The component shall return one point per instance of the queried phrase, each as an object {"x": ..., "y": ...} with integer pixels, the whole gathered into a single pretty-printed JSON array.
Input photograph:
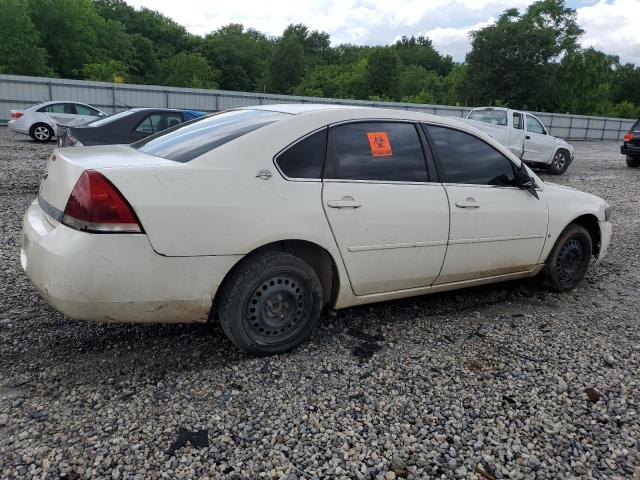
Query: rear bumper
[
  {"x": 629, "y": 150},
  {"x": 605, "y": 238},
  {"x": 18, "y": 127},
  {"x": 116, "y": 277}
]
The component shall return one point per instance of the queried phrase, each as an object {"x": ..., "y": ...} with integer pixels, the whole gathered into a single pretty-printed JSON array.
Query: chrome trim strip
[
  {"x": 376, "y": 182},
  {"x": 50, "y": 210},
  {"x": 389, "y": 246},
  {"x": 464, "y": 241}
]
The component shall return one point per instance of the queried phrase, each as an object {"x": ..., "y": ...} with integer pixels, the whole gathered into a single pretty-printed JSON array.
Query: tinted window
[
  {"x": 533, "y": 125},
  {"x": 517, "y": 120},
  {"x": 187, "y": 141},
  {"x": 157, "y": 122},
  {"x": 305, "y": 159},
  {"x": 495, "y": 117},
  {"x": 378, "y": 151},
  {"x": 467, "y": 159}
]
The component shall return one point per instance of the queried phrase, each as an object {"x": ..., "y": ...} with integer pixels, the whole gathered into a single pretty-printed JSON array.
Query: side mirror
[
  {"x": 102, "y": 114},
  {"x": 525, "y": 182}
]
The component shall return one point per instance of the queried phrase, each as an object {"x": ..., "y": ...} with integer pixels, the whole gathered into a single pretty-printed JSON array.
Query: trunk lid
[{"x": 65, "y": 165}]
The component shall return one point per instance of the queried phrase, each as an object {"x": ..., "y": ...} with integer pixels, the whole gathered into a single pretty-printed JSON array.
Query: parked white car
[
  {"x": 263, "y": 216},
  {"x": 40, "y": 121},
  {"x": 525, "y": 135}
]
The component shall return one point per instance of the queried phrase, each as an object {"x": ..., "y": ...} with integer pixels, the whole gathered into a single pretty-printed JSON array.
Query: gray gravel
[{"x": 491, "y": 382}]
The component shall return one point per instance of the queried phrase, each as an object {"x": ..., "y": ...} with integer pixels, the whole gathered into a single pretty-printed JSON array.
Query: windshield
[
  {"x": 187, "y": 141},
  {"x": 104, "y": 120},
  {"x": 495, "y": 117}
]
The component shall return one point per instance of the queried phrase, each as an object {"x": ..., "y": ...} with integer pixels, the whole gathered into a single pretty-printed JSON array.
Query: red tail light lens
[
  {"x": 96, "y": 205},
  {"x": 15, "y": 115},
  {"x": 628, "y": 137}
]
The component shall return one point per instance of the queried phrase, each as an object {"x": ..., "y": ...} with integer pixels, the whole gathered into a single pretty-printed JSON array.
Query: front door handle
[
  {"x": 467, "y": 203},
  {"x": 527, "y": 137},
  {"x": 345, "y": 202}
]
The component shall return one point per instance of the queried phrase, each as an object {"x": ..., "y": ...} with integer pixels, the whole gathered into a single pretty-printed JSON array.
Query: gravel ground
[{"x": 504, "y": 381}]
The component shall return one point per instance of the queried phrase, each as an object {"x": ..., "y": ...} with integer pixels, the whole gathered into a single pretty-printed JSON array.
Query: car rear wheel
[
  {"x": 559, "y": 164},
  {"x": 41, "y": 132},
  {"x": 569, "y": 259},
  {"x": 632, "y": 161},
  {"x": 270, "y": 303}
]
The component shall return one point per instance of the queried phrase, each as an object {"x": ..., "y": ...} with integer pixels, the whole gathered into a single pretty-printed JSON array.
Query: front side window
[
  {"x": 84, "y": 110},
  {"x": 305, "y": 158},
  {"x": 467, "y": 159},
  {"x": 534, "y": 126},
  {"x": 494, "y": 117},
  {"x": 517, "y": 120},
  {"x": 377, "y": 151},
  {"x": 184, "y": 142}
]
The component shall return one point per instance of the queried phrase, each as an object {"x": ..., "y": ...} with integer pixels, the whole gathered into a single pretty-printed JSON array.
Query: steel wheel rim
[
  {"x": 41, "y": 133},
  {"x": 559, "y": 160},
  {"x": 570, "y": 260},
  {"x": 275, "y": 311}
]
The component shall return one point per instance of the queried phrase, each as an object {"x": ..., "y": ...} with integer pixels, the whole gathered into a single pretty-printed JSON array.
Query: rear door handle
[
  {"x": 468, "y": 203},
  {"x": 345, "y": 202}
]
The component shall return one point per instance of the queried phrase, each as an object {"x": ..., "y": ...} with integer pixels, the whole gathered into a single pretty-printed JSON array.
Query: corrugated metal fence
[{"x": 19, "y": 92}]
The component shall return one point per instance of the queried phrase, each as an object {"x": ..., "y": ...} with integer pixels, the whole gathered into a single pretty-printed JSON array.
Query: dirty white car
[
  {"x": 40, "y": 121},
  {"x": 264, "y": 216},
  {"x": 526, "y": 137}
]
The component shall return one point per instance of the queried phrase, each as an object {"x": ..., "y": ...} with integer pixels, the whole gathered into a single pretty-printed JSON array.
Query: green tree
[
  {"x": 103, "y": 72},
  {"x": 21, "y": 52},
  {"x": 625, "y": 85},
  {"x": 383, "y": 71},
  {"x": 287, "y": 65},
  {"x": 415, "y": 80},
  {"x": 513, "y": 60},
  {"x": 336, "y": 81},
  {"x": 419, "y": 51},
  {"x": 240, "y": 55},
  {"x": 188, "y": 70}
]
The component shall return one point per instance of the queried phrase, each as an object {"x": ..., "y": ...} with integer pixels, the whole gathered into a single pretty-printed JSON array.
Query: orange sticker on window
[{"x": 380, "y": 144}]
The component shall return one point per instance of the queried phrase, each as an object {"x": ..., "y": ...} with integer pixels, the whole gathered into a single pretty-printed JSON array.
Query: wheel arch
[
  {"x": 590, "y": 222},
  {"x": 315, "y": 255}
]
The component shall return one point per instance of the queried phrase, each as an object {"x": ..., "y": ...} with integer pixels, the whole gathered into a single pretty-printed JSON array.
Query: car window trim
[
  {"x": 544, "y": 130},
  {"x": 438, "y": 160},
  {"x": 146, "y": 117},
  {"x": 331, "y": 155},
  {"x": 295, "y": 142}
]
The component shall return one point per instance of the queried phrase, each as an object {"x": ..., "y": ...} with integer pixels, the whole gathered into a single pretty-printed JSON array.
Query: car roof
[{"x": 298, "y": 108}]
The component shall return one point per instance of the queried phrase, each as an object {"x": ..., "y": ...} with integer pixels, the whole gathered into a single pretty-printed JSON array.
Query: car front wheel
[
  {"x": 270, "y": 303},
  {"x": 633, "y": 162},
  {"x": 41, "y": 132},
  {"x": 569, "y": 259},
  {"x": 559, "y": 164}
]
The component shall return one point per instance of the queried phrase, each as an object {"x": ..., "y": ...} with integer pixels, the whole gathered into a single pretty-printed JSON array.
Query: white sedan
[
  {"x": 264, "y": 216},
  {"x": 40, "y": 121}
]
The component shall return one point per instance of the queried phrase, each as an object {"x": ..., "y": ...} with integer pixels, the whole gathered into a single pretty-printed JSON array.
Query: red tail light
[
  {"x": 15, "y": 114},
  {"x": 96, "y": 205},
  {"x": 628, "y": 137}
]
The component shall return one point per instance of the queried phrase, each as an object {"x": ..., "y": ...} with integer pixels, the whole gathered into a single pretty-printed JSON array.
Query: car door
[
  {"x": 389, "y": 221},
  {"x": 496, "y": 228},
  {"x": 538, "y": 146},
  {"x": 62, "y": 113},
  {"x": 85, "y": 114}
]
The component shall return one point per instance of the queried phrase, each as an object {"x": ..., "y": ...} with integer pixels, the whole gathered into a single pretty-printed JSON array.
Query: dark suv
[{"x": 631, "y": 145}]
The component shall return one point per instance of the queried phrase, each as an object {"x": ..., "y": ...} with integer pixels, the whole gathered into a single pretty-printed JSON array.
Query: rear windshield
[
  {"x": 187, "y": 141},
  {"x": 495, "y": 117},
  {"x": 104, "y": 120}
]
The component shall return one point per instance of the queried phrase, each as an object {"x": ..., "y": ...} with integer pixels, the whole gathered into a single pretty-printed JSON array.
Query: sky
[{"x": 608, "y": 24}]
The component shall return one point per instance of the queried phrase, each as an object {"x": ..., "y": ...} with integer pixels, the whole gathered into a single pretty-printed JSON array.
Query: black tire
[
  {"x": 41, "y": 132},
  {"x": 270, "y": 303},
  {"x": 560, "y": 163},
  {"x": 633, "y": 162},
  {"x": 568, "y": 261}
]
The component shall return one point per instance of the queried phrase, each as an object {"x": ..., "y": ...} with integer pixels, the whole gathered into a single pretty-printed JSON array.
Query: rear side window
[
  {"x": 467, "y": 159},
  {"x": 187, "y": 141},
  {"x": 494, "y": 117},
  {"x": 304, "y": 159},
  {"x": 157, "y": 122},
  {"x": 517, "y": 120},
  {"x": 377, "y": 151}
]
